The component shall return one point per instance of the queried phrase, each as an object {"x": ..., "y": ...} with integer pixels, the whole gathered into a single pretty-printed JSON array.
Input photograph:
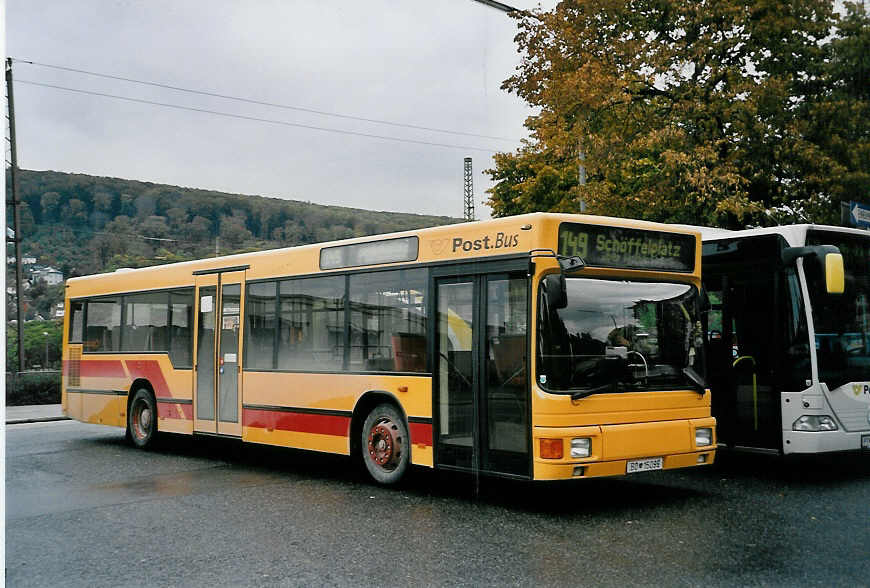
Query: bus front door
[
  {"x": 482, "y": 389},
  {"x": 742, "y": 357},
  {"x": 217, "y": 352}
]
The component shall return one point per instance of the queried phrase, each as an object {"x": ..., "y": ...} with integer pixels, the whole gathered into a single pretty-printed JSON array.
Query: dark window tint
[
  {"x": 146, "y": 322},
  {"x": 311, "y": 324},
  {"x": 261, "y": 325},
  {"x": 388, "y": 321},
  {"x": 842, "y": 322},
  {"x": 103, "y": 329},
  {"x": 76, "y": 321},
  {"x": 181, "y": 328}
]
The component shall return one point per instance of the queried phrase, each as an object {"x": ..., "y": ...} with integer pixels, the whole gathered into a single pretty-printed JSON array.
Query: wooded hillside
[{"x": 84, "y": 224}]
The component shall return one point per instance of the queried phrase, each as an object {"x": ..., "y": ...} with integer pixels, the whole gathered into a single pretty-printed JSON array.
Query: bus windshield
[
  {"x": 842, "y": 322},
  {"x": 618, "y": 336}
]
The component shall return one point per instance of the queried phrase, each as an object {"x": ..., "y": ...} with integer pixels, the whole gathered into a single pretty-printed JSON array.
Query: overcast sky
[{"x": 434, "y": 64}]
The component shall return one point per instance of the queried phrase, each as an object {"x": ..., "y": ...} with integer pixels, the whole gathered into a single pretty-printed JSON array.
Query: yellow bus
[{"x": 541, "y": 346}]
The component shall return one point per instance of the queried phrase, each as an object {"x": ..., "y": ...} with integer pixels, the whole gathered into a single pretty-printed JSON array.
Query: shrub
[{"x": 32, "y": 388}]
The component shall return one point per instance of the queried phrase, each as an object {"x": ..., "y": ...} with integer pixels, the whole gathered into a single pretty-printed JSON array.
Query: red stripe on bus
[
  {"x": 149, "y": 369},
  {"x": 421, "y": 433},
  {"x": 172, "y": 410},
  {"x": 323, "y": 424},
  {"x": 102, "y": 368},
  {"x": 166, "y": 410}
]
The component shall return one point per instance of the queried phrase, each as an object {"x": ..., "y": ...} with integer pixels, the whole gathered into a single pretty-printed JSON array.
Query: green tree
[
  {"x": 49, "y": 206},
  {"x": 42, "y": 339},
  {"x": 684, "y": 111}
]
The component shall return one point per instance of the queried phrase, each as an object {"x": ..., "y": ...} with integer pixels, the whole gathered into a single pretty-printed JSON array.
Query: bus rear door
[{"x": 217, "y": 396}]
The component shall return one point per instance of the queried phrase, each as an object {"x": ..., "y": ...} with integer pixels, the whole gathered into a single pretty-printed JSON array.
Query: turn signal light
[{"x": 551, "y": 448}]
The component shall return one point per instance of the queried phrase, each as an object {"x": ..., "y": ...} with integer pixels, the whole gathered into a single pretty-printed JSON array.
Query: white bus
[{"x": 789, "y": 337}]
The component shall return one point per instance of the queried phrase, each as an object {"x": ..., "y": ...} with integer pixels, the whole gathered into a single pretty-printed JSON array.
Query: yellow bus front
[{"x": 618, "y": 354}]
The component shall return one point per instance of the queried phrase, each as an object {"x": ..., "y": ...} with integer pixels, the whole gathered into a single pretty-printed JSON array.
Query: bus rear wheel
[
  {"x": 142, "y": 419},
  {"x": 385, "y": 446}
]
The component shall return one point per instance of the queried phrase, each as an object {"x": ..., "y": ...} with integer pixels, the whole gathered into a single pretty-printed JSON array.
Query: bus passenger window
[
  {"x": 146, "y": 322},
  {"x": 76, "y": 321},
  {"x": 262, "y": 300},
  {"x": 311, "y": 324},
  {"x": 388, "y": 321},
  {"x": 181, "y": 328},
  {"x": 103, "y": 329}
]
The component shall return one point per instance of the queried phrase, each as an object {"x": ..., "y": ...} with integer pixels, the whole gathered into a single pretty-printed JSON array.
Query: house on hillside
[{"x": 49, "y": 275}]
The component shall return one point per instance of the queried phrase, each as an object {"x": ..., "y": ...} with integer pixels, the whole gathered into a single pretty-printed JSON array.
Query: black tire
[
  {"x": 385, "y": 446},
  {"x": 142, "y": 419}
]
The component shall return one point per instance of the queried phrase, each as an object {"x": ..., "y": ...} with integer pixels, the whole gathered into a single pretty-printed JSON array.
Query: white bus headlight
[
  {"x": 581, "y": 446},
  {"x": 704, "y": 436},
  {"x": 810, "y": 422}
]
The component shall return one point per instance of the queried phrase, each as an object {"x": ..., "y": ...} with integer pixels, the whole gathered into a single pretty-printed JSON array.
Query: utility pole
[
  {"x": 469, "y": 192},
  {"x": 16, "y": 215},
  {"x": 581, "y": 173}
]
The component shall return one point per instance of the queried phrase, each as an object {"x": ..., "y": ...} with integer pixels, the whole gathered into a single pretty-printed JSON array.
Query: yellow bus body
[{"x": 96, "y": 387}]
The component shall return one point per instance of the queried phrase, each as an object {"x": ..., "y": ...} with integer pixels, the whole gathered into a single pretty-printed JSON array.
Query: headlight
[
  {"x": 704, "y": 436},
  {"x": 810, "y": 422},
  {"x": 580, "y": 447}
]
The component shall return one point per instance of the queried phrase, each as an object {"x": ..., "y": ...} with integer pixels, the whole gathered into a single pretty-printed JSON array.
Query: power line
[
  {"x": 264, "y": 103},
  {"x": 255, "y": 118}
]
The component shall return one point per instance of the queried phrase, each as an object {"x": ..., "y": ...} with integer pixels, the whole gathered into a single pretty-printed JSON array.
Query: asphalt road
[{"x": 86, "y": 509}]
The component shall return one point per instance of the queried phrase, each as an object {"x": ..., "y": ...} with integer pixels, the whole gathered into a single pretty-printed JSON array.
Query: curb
[{"x": 36, "y": 420}]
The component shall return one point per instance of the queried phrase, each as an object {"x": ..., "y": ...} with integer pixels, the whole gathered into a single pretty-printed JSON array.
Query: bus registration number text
[{"x": 644, "y": 465}]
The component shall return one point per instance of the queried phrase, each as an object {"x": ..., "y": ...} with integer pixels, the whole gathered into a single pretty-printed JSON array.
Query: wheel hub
[
  {"x": 141, "y": 419},
  {"x": 383, "y": 445},
  {"x": 145, "y": 418}
]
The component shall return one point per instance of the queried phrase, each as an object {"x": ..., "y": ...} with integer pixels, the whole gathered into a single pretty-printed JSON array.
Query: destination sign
[
  {"x": 371, "y": 253},
  {"x": 628, "y": 248}
]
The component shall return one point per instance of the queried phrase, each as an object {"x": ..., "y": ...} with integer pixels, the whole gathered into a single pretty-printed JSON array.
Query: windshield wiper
[
  {"x": 697, "y": 379},
  {"x": 594, "y": 390}
]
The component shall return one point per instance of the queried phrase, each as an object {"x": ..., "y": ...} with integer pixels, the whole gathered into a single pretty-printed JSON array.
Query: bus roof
[
  {"x": 795, "y": 235},
  {"x": 472, "y": 240}
]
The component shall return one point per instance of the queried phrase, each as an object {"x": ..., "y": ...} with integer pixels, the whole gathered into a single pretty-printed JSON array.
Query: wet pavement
[{"x": 86, "y": 509}]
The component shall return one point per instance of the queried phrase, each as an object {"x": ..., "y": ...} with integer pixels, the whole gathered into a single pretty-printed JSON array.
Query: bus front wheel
[
  {"x": 142, "y": 419},
  {"x": 385, "y": 444}
]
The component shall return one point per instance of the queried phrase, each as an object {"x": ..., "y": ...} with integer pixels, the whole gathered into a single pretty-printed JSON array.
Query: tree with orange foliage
[{"x": 708, "y": 112}]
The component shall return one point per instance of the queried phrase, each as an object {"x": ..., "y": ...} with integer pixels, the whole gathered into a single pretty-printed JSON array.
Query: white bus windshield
[{"x": 842, "y": 322}]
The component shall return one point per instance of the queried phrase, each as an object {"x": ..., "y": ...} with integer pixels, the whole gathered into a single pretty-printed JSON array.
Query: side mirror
[
  {"x": 835, "y": 274},
  {"x": 828, "y": 261},
  {"x": 556, "y": 290}
]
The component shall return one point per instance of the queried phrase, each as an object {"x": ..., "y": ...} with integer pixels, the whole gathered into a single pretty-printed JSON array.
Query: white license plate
[
  {"x": 644, "y": 465},
  {"x": 865, "y": 441}
]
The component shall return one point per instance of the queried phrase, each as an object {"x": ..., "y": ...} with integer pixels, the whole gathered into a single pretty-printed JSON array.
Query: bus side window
[
  {"x": 76, "y": 321},
  {"x": 181, "y": 328},
  {"x": 103, "y": 328},
  {"x": 388, "y": 321}
]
